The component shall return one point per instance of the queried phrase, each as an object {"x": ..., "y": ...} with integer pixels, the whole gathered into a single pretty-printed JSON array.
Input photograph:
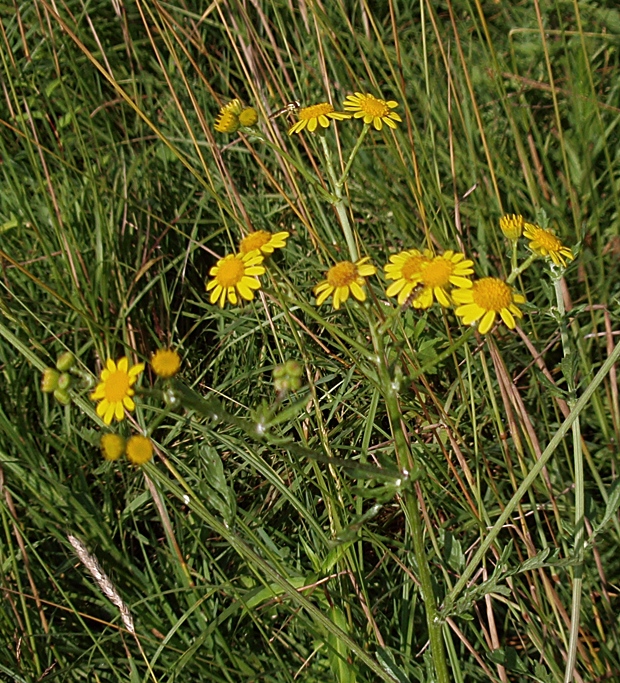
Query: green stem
[
  {"x": 579, "y": 496},
  {"x": 406, "y": 463},
  {"x": 524, "y": 266},
  {"x": 339, "y": 204},
  {"x": 353, "y": 154}
]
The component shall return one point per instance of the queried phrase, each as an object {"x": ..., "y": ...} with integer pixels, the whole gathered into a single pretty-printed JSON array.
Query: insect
[
  {"x": 286, "y": 109},
  {"x": 413, "y": 295}
]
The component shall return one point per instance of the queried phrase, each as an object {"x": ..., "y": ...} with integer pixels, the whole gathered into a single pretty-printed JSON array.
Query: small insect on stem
[{"x": 288, "y": 108}]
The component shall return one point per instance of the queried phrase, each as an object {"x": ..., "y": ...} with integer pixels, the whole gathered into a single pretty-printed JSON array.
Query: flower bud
[
  {"x": 64, "y": 381},
  {"x": 512, "y": 226},
  {"x": 62, "y": 396},
  {"x": 112, "y": 446},
  {"x": 49, "y": 380},
  {"x": 65, "y": 361},
  {"x": 248, "y": 117}
]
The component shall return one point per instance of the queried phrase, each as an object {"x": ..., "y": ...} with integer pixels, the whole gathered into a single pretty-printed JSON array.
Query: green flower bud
[
  {"x": 65, "y": 361},
  {"x": 63, "y": 397},
  {"x": 49, "y": 380},
  {"x": 64, "y": 381}
]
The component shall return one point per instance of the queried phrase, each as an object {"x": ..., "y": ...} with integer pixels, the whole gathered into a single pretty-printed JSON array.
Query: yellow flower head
[
  {"x": 139, "y": 449},
  {"x": 439, "y": 274},
  {"x": 114, "y": 391},
  {"x": 485, "y": 299},
  {"x": 228, "y": 119},
  {"x": 545, "y": 243},
  {"x": 235, "y": 276},
  {"x": 263, "y": 241},
  {"x": 406, "y": 269},
  {"x": 372, "y": 110},
  {"x": 248, "y": 117},
  {"x": 165, "y": 363},
  {"x": 511, "y": 226},
  {"x": 311, "y": 117},
  {"x": 112, "y": 446},
  {"x": 343, "y": 279}
]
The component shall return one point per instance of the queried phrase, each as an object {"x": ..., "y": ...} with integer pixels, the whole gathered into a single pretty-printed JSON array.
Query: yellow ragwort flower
[
  {"x": 139, "y": 449},
  {"x": 112, "y": 446},
  {"x": 343, "y": 279},
  {"x": 372, "y": 110},
  {"x": 439, "y": 274},
  {"x": 512, "y": 226},
  {"x": 317, "y": 114},
  {"x": 228, "y": 119},
  {"x": 263, "y": 241},
  {"x": 114, "y": 391},
  {"x": 545, "y": 243},
  {"x": 485, "y": 299},
  {"x": 235, "y": 276},
  {"x": 405, "y": 268},
  {"x": 165, "y": 363}
]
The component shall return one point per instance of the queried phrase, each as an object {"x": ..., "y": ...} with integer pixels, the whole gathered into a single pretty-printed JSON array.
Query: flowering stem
[
  {"x": 339, "y": 202},
  {"x": 579, "y": 494},
  {"x": 406, "y": 464},
  {"x": 524, "y": 266}
]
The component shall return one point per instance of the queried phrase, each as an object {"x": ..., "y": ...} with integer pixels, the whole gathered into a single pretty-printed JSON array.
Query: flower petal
[{"x": 487, "y": 322}]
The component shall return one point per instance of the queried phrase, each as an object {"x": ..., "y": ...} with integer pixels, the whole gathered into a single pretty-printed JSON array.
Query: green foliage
[{"x": 273, "y": 536}]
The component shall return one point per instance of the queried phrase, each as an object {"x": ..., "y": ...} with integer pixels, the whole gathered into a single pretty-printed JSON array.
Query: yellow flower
[
  {"x": 228, "y": 119},
  {"x": 248, "y": 117},
  {"x": 311, "y": 117},
  {"x": 165, "y": 363},
  {"x": 545, "y": 243},
  {"x": 372, "y": 110},
  {"x": 112, "y": 446},
  {"x": 440, "y": 274},
  {"x": 139, "y": 449},
  {"x": 114, "y": 391},
  {"x": 235, "y": 275},
  {"x": 485, "y": 299},
  {"x": 511, "y": 226},
  {"x": 263, "y": 241},
  {"x": 406, "y": 269},
  {"x": 344, "y": 278}
]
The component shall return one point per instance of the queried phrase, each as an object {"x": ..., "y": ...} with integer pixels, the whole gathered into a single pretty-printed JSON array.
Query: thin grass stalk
[{"x": 561, "y": 432}]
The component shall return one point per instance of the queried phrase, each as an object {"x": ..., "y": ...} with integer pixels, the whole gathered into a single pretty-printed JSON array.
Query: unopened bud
[
  {"x": 65, "y": 361},
  {"x": 49, "y": 380},
  {"x": 62, "y": 396},
  {"x": 64, "y": 381}
]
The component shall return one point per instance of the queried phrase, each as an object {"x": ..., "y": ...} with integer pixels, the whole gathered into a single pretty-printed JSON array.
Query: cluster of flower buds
[
  {"x": 287, "y": 377},
  {"x": 57, "y": 380}
]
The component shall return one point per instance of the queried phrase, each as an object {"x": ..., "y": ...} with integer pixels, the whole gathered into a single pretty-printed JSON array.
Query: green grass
[{"x": 300, "y": 553}]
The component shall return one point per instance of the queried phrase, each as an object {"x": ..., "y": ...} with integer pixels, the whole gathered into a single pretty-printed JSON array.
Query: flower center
[
  {"x": 437, "y": 273},
  {"x": 377, "y": 108},
  {"x": 315, "y": 111},
  {"x": 548, "y": 241},
  {"x": 117, "y": 386},
  {"x": 342, "y": 274},
  {"x": 230, "y": 272},
  {"x": 255, "y": 240},
  {"x": 492, "y": 294},
  {"x": 412, "y": 267}
]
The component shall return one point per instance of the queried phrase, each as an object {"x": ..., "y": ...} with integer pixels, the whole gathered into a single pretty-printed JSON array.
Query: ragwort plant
[{"x": 271, "y": 527}]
